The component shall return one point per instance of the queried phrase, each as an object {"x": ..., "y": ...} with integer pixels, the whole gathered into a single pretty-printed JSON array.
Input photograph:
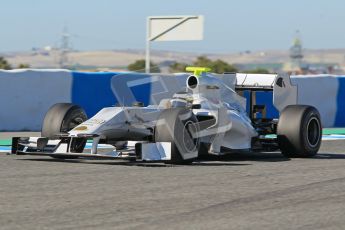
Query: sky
[{"x": 230, "y": 26}]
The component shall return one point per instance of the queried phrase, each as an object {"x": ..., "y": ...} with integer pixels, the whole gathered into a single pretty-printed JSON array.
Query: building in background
[{"x": 295, "y": 64}]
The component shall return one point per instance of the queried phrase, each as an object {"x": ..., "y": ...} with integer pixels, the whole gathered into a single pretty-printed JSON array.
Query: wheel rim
[
  {"x": 71, "y": 124},
  {"x": 75, "y": 122},
  {"x": 313, "y": 132}
]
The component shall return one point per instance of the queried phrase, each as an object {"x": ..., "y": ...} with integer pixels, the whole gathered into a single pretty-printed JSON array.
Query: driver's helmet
[{"x": 181, "y": 99}]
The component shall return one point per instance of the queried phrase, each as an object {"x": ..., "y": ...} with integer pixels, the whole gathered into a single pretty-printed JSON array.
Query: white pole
[{"x": 147, "y": 59}]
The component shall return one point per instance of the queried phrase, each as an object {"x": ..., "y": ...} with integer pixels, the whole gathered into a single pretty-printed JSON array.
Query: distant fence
[{"x": 26, "y": 95}]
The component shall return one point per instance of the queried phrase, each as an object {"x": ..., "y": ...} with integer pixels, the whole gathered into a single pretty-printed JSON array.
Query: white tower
[
  {"x": 296, "y": 51},
  {"x": 64, "y": 49}
]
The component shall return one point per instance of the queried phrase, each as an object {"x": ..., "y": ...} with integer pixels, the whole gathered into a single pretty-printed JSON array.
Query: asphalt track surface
[{"x": 243, "y": 191}]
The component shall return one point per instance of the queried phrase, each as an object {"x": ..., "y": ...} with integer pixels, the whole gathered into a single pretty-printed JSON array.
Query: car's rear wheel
[
  {"x": 299, "y": 131},
  {"x": 177, "y": 125}
]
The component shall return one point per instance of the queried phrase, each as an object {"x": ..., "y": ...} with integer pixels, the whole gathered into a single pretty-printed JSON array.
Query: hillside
[{"x": 119, "y": 59}]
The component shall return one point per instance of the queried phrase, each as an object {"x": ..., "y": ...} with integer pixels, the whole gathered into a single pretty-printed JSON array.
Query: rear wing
[
  {"x": 255, "y": 82},
  {"x": 283, "y": 92}
]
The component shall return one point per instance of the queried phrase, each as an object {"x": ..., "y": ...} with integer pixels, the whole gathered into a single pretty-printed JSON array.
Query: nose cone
[{"x": 100, "y": 121}]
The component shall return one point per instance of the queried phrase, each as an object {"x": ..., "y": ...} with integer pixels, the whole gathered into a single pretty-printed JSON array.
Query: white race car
[{"x": 208, "y": 117}]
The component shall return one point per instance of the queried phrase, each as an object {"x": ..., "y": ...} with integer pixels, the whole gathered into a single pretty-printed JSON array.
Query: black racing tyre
[
  {"x": 299, "y": 131},
  {"x": 61, "y": 118},
  {"x": 176, "y": 125},
  {"x": 204, "y": 149}
]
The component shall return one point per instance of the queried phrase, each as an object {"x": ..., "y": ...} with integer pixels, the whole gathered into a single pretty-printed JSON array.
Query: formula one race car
[{"x": 208, "y": 117}]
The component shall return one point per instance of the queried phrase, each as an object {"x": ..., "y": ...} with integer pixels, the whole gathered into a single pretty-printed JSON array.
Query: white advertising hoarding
[
  {"x": 172, "y": 28},
  {"x": 175, "y": 28}
]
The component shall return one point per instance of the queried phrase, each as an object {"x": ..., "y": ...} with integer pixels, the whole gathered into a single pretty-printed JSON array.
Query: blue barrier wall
[
  {"x": 26, "y": 95},
  {"x": 92, "y": 91},
  {"x": 264, "y": 98},
  {"x": 326, "y": 93},
  {"x": 340, "y": 115}
]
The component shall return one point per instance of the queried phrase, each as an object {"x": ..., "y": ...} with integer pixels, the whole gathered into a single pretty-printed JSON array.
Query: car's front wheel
[
  {"x": 61, "y": 118},
  {"x": 178, "y": 126}
]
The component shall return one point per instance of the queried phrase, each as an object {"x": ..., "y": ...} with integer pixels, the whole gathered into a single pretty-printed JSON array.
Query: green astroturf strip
[
  {"x": 5, "y": 142},
  {"x": 333, "y": 131},
  {"x": 337, "y": 131}
]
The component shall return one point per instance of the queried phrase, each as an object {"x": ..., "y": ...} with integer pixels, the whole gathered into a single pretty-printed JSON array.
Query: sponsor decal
[
  {"x": 94, "y": 122},
  {"x": 80, "y": 128}
]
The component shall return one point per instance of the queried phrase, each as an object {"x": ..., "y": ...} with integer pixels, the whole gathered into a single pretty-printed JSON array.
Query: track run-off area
[{"x": 237, "y": 191}]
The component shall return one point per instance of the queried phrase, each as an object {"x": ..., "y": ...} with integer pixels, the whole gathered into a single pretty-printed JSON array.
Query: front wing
[{"x": 61, "y": 148}]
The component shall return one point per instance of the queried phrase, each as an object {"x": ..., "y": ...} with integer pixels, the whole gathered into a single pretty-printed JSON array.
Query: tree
[
  {"x": 139, "y": 66},
  {"x": 258, "y": 70},
  {"x": 203, "y": 61},
  {"x": 217, "y": 66},
  {"x": 4, "y": 64},
  {"x": 220, "y": 66},
  {"x": 23, "y": 66},
  {"x": 177, "y": 67}
]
